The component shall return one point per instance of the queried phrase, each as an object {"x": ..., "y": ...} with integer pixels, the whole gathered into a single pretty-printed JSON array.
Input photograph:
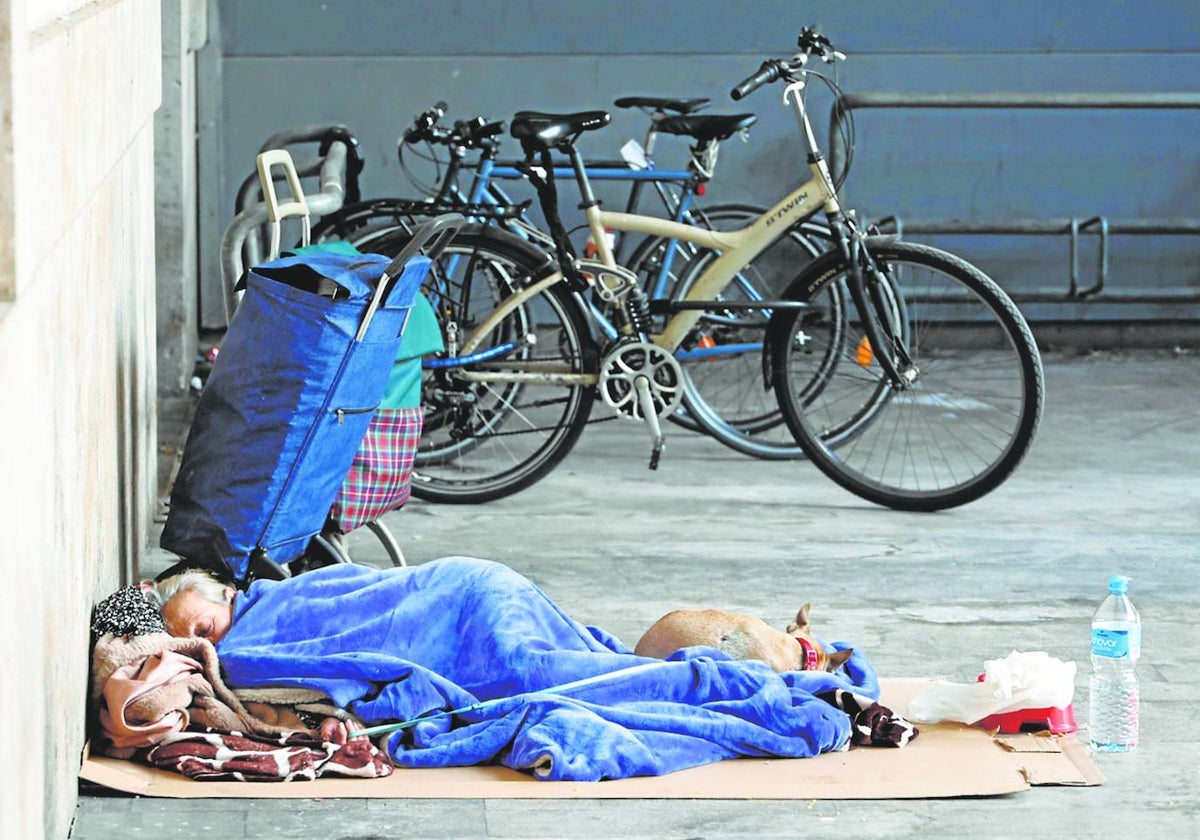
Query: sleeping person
[{"x": 477, "y": 638}]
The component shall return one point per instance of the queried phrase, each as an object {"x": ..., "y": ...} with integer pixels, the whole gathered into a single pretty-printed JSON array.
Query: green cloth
[{"x": 422, "y": 336}]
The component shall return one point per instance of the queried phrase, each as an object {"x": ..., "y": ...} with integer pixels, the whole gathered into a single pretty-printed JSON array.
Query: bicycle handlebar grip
[
  {"x": 491, "y": 129},
  {"x": 472, "y": 133},
  {"x": 424, "y": 123},
  {"x": 354, "y": 158},
  {"x": 767, "y": 72}
]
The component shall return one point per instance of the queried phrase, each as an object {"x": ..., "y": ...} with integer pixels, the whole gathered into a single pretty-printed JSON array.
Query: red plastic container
[{"x": 1054, "y": 720}]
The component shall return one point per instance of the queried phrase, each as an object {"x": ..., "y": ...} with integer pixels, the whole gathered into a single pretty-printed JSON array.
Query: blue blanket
[{"x": 396, "y": 644}]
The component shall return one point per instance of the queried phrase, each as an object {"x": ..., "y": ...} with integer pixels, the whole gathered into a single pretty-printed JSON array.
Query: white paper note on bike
[{"x": 633, "y": 154}]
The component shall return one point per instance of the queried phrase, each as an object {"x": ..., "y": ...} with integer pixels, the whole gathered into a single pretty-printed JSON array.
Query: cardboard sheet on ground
[{"x": 947, "y": 760}]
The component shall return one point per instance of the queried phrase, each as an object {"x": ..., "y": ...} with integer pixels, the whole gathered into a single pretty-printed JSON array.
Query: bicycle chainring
[{"x": 630, "y": 360}]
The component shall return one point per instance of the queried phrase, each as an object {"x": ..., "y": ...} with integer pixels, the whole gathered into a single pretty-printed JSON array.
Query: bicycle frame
[
  {"x": 485, "y": 191},
  {"x": 738, "y": 247}
]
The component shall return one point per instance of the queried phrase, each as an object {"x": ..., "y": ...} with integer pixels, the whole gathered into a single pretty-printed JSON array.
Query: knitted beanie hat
[{"x": 127, "y": 612}]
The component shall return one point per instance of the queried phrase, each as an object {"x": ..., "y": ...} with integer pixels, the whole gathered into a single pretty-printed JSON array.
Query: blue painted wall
[{"x": 374, "y": 64}]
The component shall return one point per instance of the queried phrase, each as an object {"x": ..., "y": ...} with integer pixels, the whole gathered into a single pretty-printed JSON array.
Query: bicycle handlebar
[
  {"x": 422, "y": 128},
  {"x": 474, "y": 133},
  {"x": 466, "y": 134},
  {"x": 769, "y": 71},
  {"x": 325, "y": 136},
  {"x": 811, "y": 42}
]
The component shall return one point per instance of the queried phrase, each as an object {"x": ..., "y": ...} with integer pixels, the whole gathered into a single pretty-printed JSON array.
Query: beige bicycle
[{"x": 903, "y": 372}]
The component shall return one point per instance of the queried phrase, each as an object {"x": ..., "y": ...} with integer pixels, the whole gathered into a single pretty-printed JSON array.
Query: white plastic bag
[{"x": 1030, "y": 680}]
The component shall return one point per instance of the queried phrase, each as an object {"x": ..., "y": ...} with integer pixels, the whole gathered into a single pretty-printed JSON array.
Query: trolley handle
[{"x": 430, "y": 238}]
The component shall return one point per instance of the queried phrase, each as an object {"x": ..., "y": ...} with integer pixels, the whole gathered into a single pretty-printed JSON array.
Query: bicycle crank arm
[{"x": 650, "y": 413}]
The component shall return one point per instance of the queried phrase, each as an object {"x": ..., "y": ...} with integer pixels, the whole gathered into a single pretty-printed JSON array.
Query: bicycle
[
  {"x": 736, "y": 412},
  {"x": 921, "y": 390}
]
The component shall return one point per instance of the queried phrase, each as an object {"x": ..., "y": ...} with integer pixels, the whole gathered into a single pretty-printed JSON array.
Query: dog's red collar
[{"x": 810, "y": 654}]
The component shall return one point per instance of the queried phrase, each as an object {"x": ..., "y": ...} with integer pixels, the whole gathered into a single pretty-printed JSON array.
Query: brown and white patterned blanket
[
  {"x": 161, "y": 700},
  {"x": 210, "y": 756}
]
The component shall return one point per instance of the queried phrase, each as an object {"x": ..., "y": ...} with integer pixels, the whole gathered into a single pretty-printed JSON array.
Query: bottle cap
[{"x": 1118, "y": 585}]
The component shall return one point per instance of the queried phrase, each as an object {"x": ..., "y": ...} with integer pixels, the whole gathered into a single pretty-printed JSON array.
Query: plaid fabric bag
[{"x": 380, "y": 479}]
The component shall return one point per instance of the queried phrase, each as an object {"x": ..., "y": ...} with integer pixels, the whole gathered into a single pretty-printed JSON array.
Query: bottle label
[{"x": 1117, "y": 644}]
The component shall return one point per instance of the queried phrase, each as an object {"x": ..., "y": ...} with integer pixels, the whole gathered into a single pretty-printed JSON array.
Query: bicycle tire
[
  {"x": 490, "y": 437},
  {"x": 727, "y": 389},
  {"x": 355, "y": 223},
  {"x": 965, "y": 423}
]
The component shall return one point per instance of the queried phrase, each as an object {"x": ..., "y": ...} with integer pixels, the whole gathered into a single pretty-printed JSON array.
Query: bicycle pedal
[{"x": 655, "y": 455}]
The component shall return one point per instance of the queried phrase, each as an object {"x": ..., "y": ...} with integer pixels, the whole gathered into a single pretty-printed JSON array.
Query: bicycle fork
[{"x": 882, "y": 319}]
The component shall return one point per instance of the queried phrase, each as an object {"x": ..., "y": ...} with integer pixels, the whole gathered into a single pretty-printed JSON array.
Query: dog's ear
[
  {"x": 801, "y": 624},
  {"x": 837, "y": 660}
]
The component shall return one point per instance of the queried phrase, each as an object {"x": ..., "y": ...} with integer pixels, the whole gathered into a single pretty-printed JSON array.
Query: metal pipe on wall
[{"x": 1073, "y": 227}]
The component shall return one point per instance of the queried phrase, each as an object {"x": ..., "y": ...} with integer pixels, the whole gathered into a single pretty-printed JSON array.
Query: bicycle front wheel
[
  {"x": 496, "y": 425},
  {"x": 971, "y": 401}
]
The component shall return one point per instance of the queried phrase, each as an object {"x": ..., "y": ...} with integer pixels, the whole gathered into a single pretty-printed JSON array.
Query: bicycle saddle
[
  {"x": 549, "y": 131},
  {"x": 707, "y": 128},
  {"x": 679, "y": 106}
]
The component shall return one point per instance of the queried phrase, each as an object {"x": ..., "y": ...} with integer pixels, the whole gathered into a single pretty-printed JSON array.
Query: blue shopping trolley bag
[{"x": 301, "y": 371}]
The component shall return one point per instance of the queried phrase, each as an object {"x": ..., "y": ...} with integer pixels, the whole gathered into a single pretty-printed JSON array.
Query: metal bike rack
[{"x": 1074, "y": 227}]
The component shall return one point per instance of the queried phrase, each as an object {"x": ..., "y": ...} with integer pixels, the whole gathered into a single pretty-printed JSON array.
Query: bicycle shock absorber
[{"x": 637, "y": 308}]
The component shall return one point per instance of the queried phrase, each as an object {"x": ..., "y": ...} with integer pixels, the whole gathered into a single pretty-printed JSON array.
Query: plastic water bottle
[{"x": 1116, "y": 647}]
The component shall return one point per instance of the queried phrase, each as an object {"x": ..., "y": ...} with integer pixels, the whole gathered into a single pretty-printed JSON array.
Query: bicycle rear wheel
[
  {"x": 497, "y": 425},
  {"x": 727, "y": 390},
  {"x": 970, "y": 412}
]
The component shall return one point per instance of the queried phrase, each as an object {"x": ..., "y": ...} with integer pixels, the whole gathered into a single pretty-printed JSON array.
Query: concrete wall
[
  {"x": 374, "y": 64},
  {"x": 79, "y": 83},
  {"x": 185, "y": 31}
]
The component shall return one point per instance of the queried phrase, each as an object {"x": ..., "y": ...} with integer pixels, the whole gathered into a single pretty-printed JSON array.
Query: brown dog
[{"x": 742, "y": 637}]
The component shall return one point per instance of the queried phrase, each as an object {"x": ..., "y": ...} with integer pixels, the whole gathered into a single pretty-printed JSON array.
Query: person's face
[{"x": 191, "y": 614}]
